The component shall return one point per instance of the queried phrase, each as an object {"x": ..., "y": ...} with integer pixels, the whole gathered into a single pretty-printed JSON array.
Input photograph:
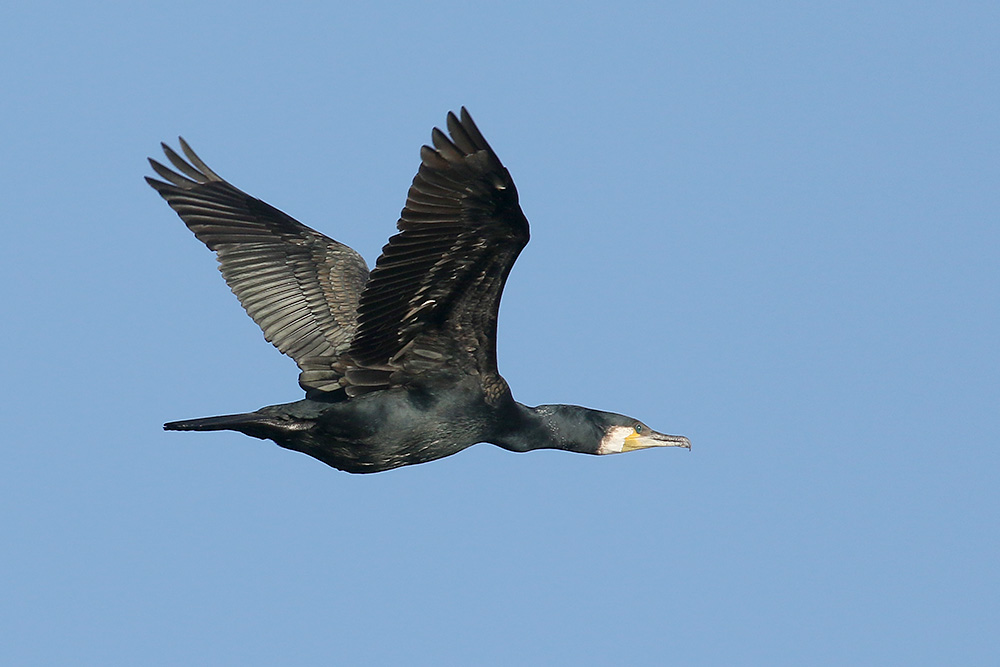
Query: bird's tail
[
  {"x": 221, "y": 423},
  {"x": 251, "y": 423}
]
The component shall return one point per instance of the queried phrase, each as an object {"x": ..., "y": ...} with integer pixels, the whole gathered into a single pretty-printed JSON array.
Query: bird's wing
[
  {"x": 433, "y": 296},
  {"x": 299, "y": 286}
]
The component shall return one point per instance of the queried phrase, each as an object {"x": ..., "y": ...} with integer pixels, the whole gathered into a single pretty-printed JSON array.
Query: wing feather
[
  {"x": 432, "y": 299},
  {"x": 301, "y": 287}
]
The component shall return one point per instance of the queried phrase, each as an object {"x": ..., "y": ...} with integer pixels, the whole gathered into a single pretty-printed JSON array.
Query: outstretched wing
[
  {"x": 432, "y": 299},
  {"x": 299, "y": 286}
]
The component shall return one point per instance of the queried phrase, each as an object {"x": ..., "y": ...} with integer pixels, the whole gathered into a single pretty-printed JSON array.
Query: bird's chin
[{"x": 620, "y": 439}]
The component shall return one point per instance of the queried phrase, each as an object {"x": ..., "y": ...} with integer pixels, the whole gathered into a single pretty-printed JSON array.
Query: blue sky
[{"x": 772, "y": 227}]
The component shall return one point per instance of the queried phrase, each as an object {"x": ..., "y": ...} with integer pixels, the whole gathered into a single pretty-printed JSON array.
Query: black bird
[{"x": 398, "y": 364}]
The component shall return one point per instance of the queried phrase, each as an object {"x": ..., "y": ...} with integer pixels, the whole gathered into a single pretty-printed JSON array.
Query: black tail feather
[{"x": 221, "y": 423}]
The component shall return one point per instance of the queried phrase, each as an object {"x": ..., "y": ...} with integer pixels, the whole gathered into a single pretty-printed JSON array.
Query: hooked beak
[{"x": 654, "y": 439}]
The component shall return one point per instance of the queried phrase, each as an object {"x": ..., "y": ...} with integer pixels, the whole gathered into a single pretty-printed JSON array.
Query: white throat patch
[{"x": 614, "y": 441}]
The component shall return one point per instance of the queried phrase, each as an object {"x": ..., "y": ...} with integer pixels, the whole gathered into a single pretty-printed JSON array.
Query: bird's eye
[{"x": 638, "y": 428}]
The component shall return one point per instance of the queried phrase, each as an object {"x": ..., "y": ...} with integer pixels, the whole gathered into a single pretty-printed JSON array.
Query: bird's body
[
  {"x": 373, "y": 432},
  {"x": 398, "y": 364}
]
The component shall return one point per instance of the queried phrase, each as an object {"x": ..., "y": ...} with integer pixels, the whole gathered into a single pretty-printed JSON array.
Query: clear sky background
[{"x": 769, "y": 226}]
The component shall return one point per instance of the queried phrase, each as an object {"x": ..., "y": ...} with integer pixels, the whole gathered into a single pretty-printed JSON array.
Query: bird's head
[
  {"x": 578, "y": 429},
  {"x": 625, "y": 434}
]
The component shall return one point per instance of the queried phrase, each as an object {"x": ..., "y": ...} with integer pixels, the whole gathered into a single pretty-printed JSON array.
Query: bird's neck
[{"x": 523, "y": 429}]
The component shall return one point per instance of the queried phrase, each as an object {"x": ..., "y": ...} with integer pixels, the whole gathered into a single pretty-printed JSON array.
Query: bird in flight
[{"x": 398, "y": 363}]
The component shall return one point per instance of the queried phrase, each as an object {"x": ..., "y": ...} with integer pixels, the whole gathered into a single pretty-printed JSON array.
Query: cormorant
[{"x": 398, "y": 364}]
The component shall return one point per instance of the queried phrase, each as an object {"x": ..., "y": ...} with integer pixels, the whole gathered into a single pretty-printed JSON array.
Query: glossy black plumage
[{"x": 399, "y": 364}]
